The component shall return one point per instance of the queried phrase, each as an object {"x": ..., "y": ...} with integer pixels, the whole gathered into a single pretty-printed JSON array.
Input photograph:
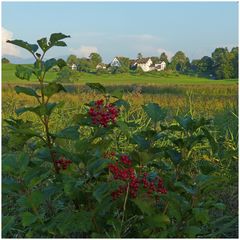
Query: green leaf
[
  {"x": 98, "y": 165},
  {"x": 55, "y": 37},
  {"x": 220, "y": 206},
  {"x": 53, "y": 88},
  {"x": 157, "y": 221},
  {"x": 97, "y": 86},
  {"x": 155, "y": 112},
  {"x": 26, "y": 90},
  {"x": 140, "y": 140},
  {"x": 49, "y": 64},
  {"x": 144, "y": 206},
  {"x": 201, "y": 215},
  {"x": 123, "y": 127},
  {"x": 30, "y": 47},
  {"x": 117, "y": 93},
  {"x": 43, "y": 44},
  {"x": 7, "y": 224},
  {"x": 174, "y": 155},
  {"x": 121, "y": 102},
  {"x": 60, "y": 44},
  {"x": 101, "y": 191},
  {"x": 212, "y": 141},
  {"x": 43, "y": 109},
  {"x": 61, "y": 63},
  {"x": 36, "y": 198},
  {"x": 69, "y": 133},
  {"x": 23, "y": 72},
  {"x": 192, "y": 231},
  {"x": 28, "y": 219},
  {"x": 15, "y": 162},
  {"x": 186, "y": 189}
]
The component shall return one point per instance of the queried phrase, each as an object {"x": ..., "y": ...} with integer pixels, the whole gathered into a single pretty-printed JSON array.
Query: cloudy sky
[{"x": 123, "y": 28}]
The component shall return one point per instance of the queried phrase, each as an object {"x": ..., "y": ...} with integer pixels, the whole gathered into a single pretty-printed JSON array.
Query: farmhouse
[
  {"x": 144, "y": 64},
  {"x": 101, "y": 66},
  {"x": 115, "y": 62},
  {"x": 74, "y": 66},
  {"x": 160, "y": 66}
]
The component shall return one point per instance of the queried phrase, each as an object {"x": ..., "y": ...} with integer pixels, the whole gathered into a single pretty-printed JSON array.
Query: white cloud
[
  {"x": 7, "y": 48},
  {"x": 84, "y": 51},
  {"x": 168, "y": 53}
]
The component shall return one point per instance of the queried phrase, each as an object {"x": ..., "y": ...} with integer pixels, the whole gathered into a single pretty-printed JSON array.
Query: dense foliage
[
  {"x": 223, "y": 64},
  {"x": 107, "y": 174}
]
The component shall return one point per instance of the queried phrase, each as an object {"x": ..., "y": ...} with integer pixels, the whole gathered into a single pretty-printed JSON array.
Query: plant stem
[{"x": 124, "y": 205}]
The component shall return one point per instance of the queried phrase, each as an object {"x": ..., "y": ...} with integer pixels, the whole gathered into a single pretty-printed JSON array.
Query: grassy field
[{"x": 8, "y": 76}]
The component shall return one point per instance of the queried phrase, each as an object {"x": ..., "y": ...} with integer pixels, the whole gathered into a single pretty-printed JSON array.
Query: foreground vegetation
[{"x": 112, "y": 165}]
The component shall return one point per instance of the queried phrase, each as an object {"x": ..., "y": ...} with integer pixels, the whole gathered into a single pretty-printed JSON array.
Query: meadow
[{"x": 178, "y": 135}]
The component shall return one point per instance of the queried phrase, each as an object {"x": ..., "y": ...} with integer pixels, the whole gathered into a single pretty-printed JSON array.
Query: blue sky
[{"x": 123, "y": 28}]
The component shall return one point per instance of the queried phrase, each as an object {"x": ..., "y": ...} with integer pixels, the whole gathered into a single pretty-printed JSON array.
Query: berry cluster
[
  {"x": 63, "y": 163},
  {"x": 102, "y": 114},
  {"x": 123, "y": 171},
  {"x": 153, "y": 186},
  {"x": 125, "y": 160}
]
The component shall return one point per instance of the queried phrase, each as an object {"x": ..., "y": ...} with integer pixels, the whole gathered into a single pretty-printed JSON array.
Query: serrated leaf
[
  {"x": 23, "y": 72},
  {"x": 53, "y": 88},
  {"x": 30, "y": 47},
  {"x": 49, "y": 64},
  {"x": 26, "y": 90},
  {"x": 55, "y": 37},
  {"x": 69, "y": 133},
  {"x": 43, "y": 44}
]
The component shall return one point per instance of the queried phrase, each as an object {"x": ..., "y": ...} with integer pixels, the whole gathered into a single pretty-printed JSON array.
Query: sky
[{"x": 123, "y": 28}]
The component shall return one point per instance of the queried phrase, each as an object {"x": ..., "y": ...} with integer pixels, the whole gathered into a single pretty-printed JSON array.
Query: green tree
[
  {"x": 222, "y": 66},
  {"x": 180, "y": 62},
  {"x": 95, "y": 59},
  {"x": 234, "y": 62},
  {"x": 155, "y": 60},
  {"x": 202, "y": 67},
  {"x": 72, "y": 59},
  {"x": 5, "y": 60},
  {"x": 84, "y": 65},
  {"x": 163, "y": 57}
]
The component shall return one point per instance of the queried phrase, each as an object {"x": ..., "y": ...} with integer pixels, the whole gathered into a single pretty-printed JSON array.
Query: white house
[
  {"x": 115, "y": 63},
  {"x": 101, "y": 66},
  {"x": 74, "y": 66},
  {"x": 144, "y": 64},
  {"x": 160, "y": 66}
]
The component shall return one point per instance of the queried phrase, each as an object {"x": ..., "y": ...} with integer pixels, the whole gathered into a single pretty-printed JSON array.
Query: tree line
[{"x": 223, "y": 64}]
